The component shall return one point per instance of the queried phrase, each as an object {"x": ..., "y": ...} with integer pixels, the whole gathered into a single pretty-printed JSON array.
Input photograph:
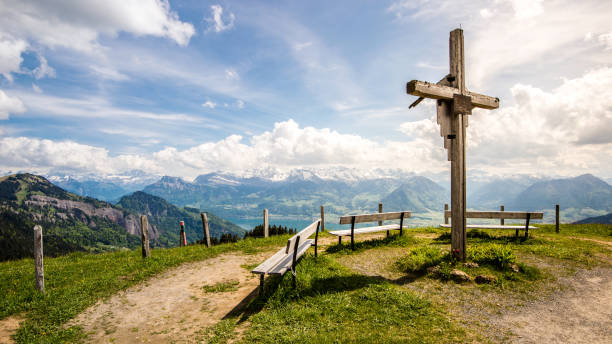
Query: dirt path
[
  {"x": 580, "y": 314},
  {"x": 8, "y": 327},
  {"x": 580, "y": 311},
  {"x": 172, "y": 307}
]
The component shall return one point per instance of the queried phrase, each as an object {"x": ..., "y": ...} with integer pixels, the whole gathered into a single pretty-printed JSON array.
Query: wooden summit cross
[{"x": 454, "y": 103}]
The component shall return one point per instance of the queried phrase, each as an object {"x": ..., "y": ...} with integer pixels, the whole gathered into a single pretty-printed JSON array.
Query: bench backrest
[
  {"x": 303, "y": 235},
  {"x": 347, "y": 219},
  {"x": 520, "y": 215}
]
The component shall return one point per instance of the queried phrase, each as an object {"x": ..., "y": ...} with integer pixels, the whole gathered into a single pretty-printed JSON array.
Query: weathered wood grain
[
  {"x": 38, "y": 259},
  {"x": 304, "y": 234},
  {"x": 513, "y": 215},
  {"x": 557, "y": 218},
  {"x": 485, "y": 226},
  {"x": 144, "y": 236},
  {"x": 266, "y": 224},
  {"x": 346, "y": 220},
  {"x": 206, "y": 229},
  {"x": 347, "y": 232},
  {"x": 428, "y": 90},
  {"x": 322, "y": 218}
]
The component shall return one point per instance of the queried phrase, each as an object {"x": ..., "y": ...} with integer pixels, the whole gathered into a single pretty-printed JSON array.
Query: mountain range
[
  {"x": 75, "y": 223},
  {"x": 299, "y": 193}
]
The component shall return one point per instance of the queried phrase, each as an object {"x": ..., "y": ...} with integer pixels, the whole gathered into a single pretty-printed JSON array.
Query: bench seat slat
[
  {"x": 508, "y": 215},
  {"x": 303, "y": 234},
  {"x": 347, "y": 232},
  {"x": 444, "y": 225},
  {"x": 346, "y": 220},
  {"x": 269, "y": 263},
  {"x": 285, "y": 263}
]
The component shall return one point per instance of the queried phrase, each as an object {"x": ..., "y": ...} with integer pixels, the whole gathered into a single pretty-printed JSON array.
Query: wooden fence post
[
  {"x": 206, "y": 229},
  {"x": 266, "y": 224},
  {"x": 38, "y": 258},
  {"x": 557, "y": 218},
  {"x": 182, "y": 236},
  {"x": 445, "y": 210},
  {"x": 380, "y": 210},
  {"x": 501, "y": 221},
  {"x": 322, "y": 218},
  {"x": 144, "y": 236}
]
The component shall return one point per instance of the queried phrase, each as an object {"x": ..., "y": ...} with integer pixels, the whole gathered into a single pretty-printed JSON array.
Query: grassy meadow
[{"x": 395, "y": 289}]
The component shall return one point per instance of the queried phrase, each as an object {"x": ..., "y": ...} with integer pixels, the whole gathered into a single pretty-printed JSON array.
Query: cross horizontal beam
[{"x": 429, "y": 90}]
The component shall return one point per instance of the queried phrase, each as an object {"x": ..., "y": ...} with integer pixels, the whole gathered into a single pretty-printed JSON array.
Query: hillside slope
[
  {"x": 419, "y": 194},
  {"x": 166, "y": 216},
  {"x": 75, "y": 223},
  {"x": 585, "y": 191},
  {"x": 69, "y": 222},
  {"x": 604, "y": 219}
]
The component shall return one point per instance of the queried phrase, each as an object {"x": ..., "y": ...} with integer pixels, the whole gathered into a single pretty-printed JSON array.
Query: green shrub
[
  {"x": 500, "y": 256},
  {"x": 421, "y": 258}
]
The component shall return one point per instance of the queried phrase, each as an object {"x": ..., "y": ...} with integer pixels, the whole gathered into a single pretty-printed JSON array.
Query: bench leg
[
  {"x": 387, "y": 234},
  {"x": 527, "y": 225},
  {"x": 261, "y": 284},
  {"x": 516, "y": 234},
  {"x": 293, "y": 281},
  {"x": 339, "y": 240}
]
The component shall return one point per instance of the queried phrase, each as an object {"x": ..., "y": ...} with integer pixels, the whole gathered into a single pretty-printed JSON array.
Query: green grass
[
  {"x": 76, "y": 281},
  {"x": 566, "y": 245},
  {"x": 394, "y": 240},
  {"x": 332, "y": 304},
  {"x": 420, "y": 258},
  {"x": 496, "y": 255},
  {"x": 222, "y": 287}
]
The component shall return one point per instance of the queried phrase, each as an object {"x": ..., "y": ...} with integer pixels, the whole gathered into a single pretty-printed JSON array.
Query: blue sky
[{"x": 188, "y": 87}]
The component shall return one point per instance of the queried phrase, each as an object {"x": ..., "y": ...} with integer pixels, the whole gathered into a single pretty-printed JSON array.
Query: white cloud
[
  {"x": 231, "y": 74},
  {"x": 218, "y": 22},
  {"x": 300, "y": 46},
  {"x": 285, "y": 146},
  {"x": 511, "y": 35},
  {"x": 10, "y": 55},
  {"x": 430, "y": 66},
  {"x": 43, "y": 69},
  {"x": 240, "y": 104},
  {"x": 524, "y": 9},
  {"x": 77, "y": 24},
  {"x": 564, "y": 131},
  {"x": 93, "y": 107},
  {"x": 209, "y": 104},
  {"x": 10, "y": 105},
  {"x": 36, "y": 89},
  {"x": 605, "y": 40},
  {"x": 108, "y": 73}
]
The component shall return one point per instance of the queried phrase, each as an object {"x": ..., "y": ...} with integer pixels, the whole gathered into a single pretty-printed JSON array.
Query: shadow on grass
[
  {"x": 315, "y": 277},
  {"x": 481, "y": 236},
  {"x": 392, "y": 240}
]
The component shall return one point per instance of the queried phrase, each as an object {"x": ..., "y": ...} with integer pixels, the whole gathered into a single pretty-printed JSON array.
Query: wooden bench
[
  {"x": 286, "y": 258},
  {"x": 353, "y": 219},
  {"x": 514, "y": 215}
]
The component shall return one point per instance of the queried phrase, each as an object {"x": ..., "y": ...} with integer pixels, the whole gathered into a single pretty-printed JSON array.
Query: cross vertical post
[
  {"x": 457, "y": 70},
  {"x": 454, "y": 104}
]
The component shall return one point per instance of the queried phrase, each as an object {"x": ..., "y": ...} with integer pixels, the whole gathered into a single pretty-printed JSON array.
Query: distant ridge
[
  {"x": 75, "y": 223},
  {"x": 419, "y": 194},
  {"x": 604, "y": 219},
  {"x": 585, "y": 191}
]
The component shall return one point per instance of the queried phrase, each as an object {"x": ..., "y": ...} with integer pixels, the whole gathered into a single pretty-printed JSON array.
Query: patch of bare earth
[
  {"x": 576, "y": 307},
  {"x": 8, "y": 327},
  {"x": 580, "y": 314},
  {"x": 172, "y": 307}
]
